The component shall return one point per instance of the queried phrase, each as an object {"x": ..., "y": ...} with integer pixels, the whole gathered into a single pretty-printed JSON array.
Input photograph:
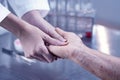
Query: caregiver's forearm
[{"x": 14, "y": 24}]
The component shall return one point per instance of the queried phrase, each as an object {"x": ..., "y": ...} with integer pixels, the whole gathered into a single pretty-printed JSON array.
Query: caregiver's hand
[
  {"x": 33, "y": 42},
  {"x": 32, "y": 38}
]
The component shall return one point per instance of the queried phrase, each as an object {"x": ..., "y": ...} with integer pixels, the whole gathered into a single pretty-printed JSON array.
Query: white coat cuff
[{"x": 3, "y": 13}]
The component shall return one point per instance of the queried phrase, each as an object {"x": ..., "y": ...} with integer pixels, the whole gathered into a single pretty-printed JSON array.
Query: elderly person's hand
[
  {"x": 74, "y": 43},
  {"x": 103, "y": 66}
]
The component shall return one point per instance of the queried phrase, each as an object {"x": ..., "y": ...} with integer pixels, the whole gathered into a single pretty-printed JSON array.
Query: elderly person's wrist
[{"x": 78, "y": 51}]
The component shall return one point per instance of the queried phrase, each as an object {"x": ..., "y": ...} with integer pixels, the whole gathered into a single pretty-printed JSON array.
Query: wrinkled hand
[
  {"x": 74, "y": 43},
  {"x": 33, "y": 43}
]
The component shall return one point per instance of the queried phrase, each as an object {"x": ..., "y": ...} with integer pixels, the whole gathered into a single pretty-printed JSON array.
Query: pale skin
[
  {"x": 34, "y": 17},
  {"x": 31, "y": 37},
  {"x": 104, "y": 66}
]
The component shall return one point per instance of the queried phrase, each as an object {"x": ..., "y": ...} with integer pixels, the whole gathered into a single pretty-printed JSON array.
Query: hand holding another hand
[{"x": 33, "y": 42}]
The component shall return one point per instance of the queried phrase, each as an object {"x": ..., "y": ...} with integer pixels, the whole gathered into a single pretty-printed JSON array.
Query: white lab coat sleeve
[
  {"x": 3, "y": 12},
  {"x": 23, "y": 6}
]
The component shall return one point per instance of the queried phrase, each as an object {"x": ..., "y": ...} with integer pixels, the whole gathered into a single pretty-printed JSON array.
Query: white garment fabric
[
  {"x": 21, "y": 7},
  {"x": 3, "y": 12}
]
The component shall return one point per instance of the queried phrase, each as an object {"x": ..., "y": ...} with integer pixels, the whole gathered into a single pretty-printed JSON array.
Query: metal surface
[{"x": 104, "y": 39}]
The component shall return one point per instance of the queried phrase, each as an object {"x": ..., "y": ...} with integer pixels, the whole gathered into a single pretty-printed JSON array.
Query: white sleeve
[
  {"x": 23, "y": 6},
  {"x": 3, "y": 12}
]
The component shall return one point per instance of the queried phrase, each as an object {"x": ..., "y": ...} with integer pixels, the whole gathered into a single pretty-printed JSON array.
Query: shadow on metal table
[{"x": 104, "y": 39}]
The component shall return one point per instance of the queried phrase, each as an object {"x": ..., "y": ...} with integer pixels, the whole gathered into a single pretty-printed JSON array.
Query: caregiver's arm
[
  {"x": 33, "y": 11},
  {"x": 14, "y": 24},
  {"x": 104, "y": 66},
  {"x": 32, "y": 38}
]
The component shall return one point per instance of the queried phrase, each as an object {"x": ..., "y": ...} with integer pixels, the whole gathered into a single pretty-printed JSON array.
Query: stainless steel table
[{"x": 104, "y": 39}]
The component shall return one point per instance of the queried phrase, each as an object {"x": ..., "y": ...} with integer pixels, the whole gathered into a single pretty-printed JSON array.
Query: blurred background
[
  {"x": 107, "y": 11},
  {"x": 76, "y": 16},
  {"x": 96, "y": 22}
]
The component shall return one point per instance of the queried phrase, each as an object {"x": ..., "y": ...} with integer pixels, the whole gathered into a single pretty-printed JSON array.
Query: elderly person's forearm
[{"x": 104, "y": 66}]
